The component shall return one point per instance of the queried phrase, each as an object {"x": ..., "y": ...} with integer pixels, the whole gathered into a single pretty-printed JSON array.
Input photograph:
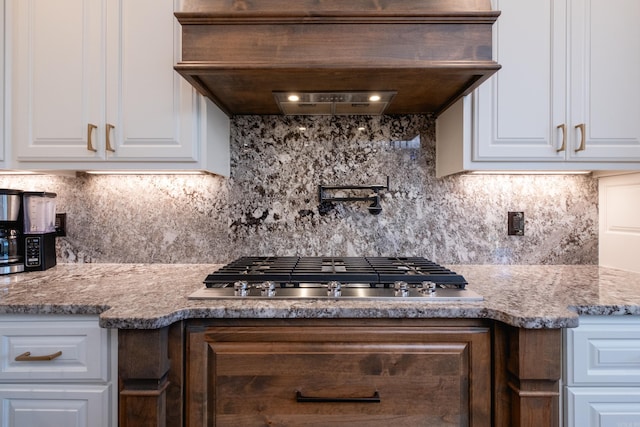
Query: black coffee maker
[
  {"x": 27, "y": 231},
  {"x": 39, "y": 230},
  {"x": 11, "y": 254}
]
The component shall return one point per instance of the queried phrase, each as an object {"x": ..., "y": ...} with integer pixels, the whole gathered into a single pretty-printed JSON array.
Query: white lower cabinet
[
  {"x": 598, "y": 407},
  {"x": 602, "y": 372},
  {"x": 54, "y": 406},
  {"x": 57, "y": 371}
]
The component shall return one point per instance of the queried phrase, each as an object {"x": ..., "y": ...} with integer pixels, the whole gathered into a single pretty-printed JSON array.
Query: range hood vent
[
  {"x": 333, "y": 103},
  {"x": 245, "y": 54}
]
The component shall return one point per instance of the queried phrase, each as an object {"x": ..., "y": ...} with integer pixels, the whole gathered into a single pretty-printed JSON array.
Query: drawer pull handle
[
  {"x": 27, "y": 357},
  {"x": 373, "y": 399}
]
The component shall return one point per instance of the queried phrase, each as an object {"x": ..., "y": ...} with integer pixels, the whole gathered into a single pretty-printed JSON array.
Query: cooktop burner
[
  {"x": 374, "y": 271},
  {"x": 335, "y": 277}
]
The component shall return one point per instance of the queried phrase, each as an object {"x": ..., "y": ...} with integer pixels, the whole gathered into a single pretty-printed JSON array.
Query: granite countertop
[{"x": 149, "y": 296}]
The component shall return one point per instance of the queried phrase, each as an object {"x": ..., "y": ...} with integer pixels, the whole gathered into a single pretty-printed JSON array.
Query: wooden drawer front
[
  {"x": 422, "y": 386},
  {"x": 83, "y": 344},
  {"x": 603, "y": 407},
  {"x": 604, "y": 353},
  {"x": 54, "y": 406},
  {"x": 418, "y": 382}
]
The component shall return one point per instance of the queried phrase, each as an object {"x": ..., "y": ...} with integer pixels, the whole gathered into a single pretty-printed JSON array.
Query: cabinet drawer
[
  {"x": 604, "y": 351},
  {"x": 54, "y": 405},
  {"x": 78, "y": 350},
  {"x": 298, "y": 376},
  {"x": 419, "y": 387},
  {"x": 603, "y": 407}
]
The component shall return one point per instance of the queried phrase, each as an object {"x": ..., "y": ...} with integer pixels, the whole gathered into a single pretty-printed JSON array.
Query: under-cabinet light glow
[
  {"x": 293, "y": 98},
  {"x": 525, "y": 172},
  {"x": 145, "y": 172},
  {"x": 374, "y": 98},
  {"x": 21, "y": 173}
]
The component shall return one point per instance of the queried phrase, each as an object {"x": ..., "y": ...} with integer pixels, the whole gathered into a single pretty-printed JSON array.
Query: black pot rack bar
[{"x": 374, "y": 208}]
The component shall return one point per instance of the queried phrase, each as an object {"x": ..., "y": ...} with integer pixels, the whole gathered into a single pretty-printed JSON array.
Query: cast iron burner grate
[{"x": 374, "y": 271}]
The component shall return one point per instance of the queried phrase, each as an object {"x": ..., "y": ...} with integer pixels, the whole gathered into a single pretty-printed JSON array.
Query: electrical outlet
[
  {"x": 61, "y": 224},
  {"x": 515, "y": 223}
]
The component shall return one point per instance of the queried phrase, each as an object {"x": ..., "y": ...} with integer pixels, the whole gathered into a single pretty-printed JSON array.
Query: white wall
[{"x": 619, "y": 235}]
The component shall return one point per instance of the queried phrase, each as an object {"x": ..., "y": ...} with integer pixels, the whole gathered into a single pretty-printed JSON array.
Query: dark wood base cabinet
[
  {"x": 348, "y": 374},
  {"x": 339, "y": 372}
]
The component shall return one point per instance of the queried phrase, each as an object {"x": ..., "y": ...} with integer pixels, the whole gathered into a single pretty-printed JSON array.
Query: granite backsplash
[{"x": 269, "y": 205}]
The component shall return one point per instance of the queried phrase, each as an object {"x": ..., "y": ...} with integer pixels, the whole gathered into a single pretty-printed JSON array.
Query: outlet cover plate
[
  {"x": 61, "y": 224},
  {"x": 515, "y": 224}
]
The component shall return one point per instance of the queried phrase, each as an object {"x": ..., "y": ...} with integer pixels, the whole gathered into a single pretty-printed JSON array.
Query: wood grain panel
[
  {"x": 431, "y": 52},
  {"x": 250, "y": 376},
  {"x": 335, "y": 7}
]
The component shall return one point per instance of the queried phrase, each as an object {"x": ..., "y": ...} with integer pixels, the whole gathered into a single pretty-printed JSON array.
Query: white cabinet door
[
  {"x": 602, "y": 372},
  {"x": 602, "y": 407},
  {"x": 58, "y": 78},
  {"x": 54, "y": 406},
  {"x": 516, "y": 110},
  {"x": 619, "y": 222},
  {"x": 94, "y": 89},
  {"x": 151, "y": 108},
  {"x": 605, "y": 83},
  {"x": 566, "y": 97},
  {"x": 57, "y": 371}
]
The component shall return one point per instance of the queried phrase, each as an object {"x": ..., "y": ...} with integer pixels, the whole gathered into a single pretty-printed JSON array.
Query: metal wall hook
[{"x": 374, "y": 208}]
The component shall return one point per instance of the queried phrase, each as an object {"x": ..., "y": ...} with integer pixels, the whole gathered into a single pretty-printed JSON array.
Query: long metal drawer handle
[
  {"x": 90, "y": 128},
  {"x": 373, "y": 399},
  {"x": 108, "y": 139},
  {"x": 582, "y": 137},
  {"x": 563, "y": 128},
  {"x": 27, "y": 357}
]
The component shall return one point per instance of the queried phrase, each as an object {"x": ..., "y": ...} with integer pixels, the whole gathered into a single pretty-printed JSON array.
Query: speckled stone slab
[
  {"x": 270, "y": 205},
  {"x": 149, "y": 296}
]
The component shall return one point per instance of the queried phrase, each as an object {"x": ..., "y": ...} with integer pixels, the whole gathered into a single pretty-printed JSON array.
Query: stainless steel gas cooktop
[{"x": 336, "y": 278}]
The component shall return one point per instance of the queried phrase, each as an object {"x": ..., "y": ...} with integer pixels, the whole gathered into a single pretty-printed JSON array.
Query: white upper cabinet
[
  {"x": 58, "y": 78},
  {"x": 605, "y": 80},
  {"x": 565, "y": 98},
  {"x": 516, "y": 110},
  {"x": 95, "y": 89}
]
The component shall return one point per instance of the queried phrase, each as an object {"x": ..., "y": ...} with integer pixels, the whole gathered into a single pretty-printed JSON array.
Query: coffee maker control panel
[
  {"x": 33, "y": 251},
  {"x": 39, "y": 251}
]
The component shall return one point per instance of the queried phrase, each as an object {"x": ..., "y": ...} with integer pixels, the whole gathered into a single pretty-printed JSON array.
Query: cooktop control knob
[
  {"x": 334, "y": 289},
  {"x": 402, "y": 289},
  {"x": 268, "y": 289},
  {"x": 428, "y": 289},
  {"x": 241, "y": 289}
]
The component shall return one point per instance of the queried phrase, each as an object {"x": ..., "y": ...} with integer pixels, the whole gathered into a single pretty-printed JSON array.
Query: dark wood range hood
[{"x": 425, "y": 53}]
